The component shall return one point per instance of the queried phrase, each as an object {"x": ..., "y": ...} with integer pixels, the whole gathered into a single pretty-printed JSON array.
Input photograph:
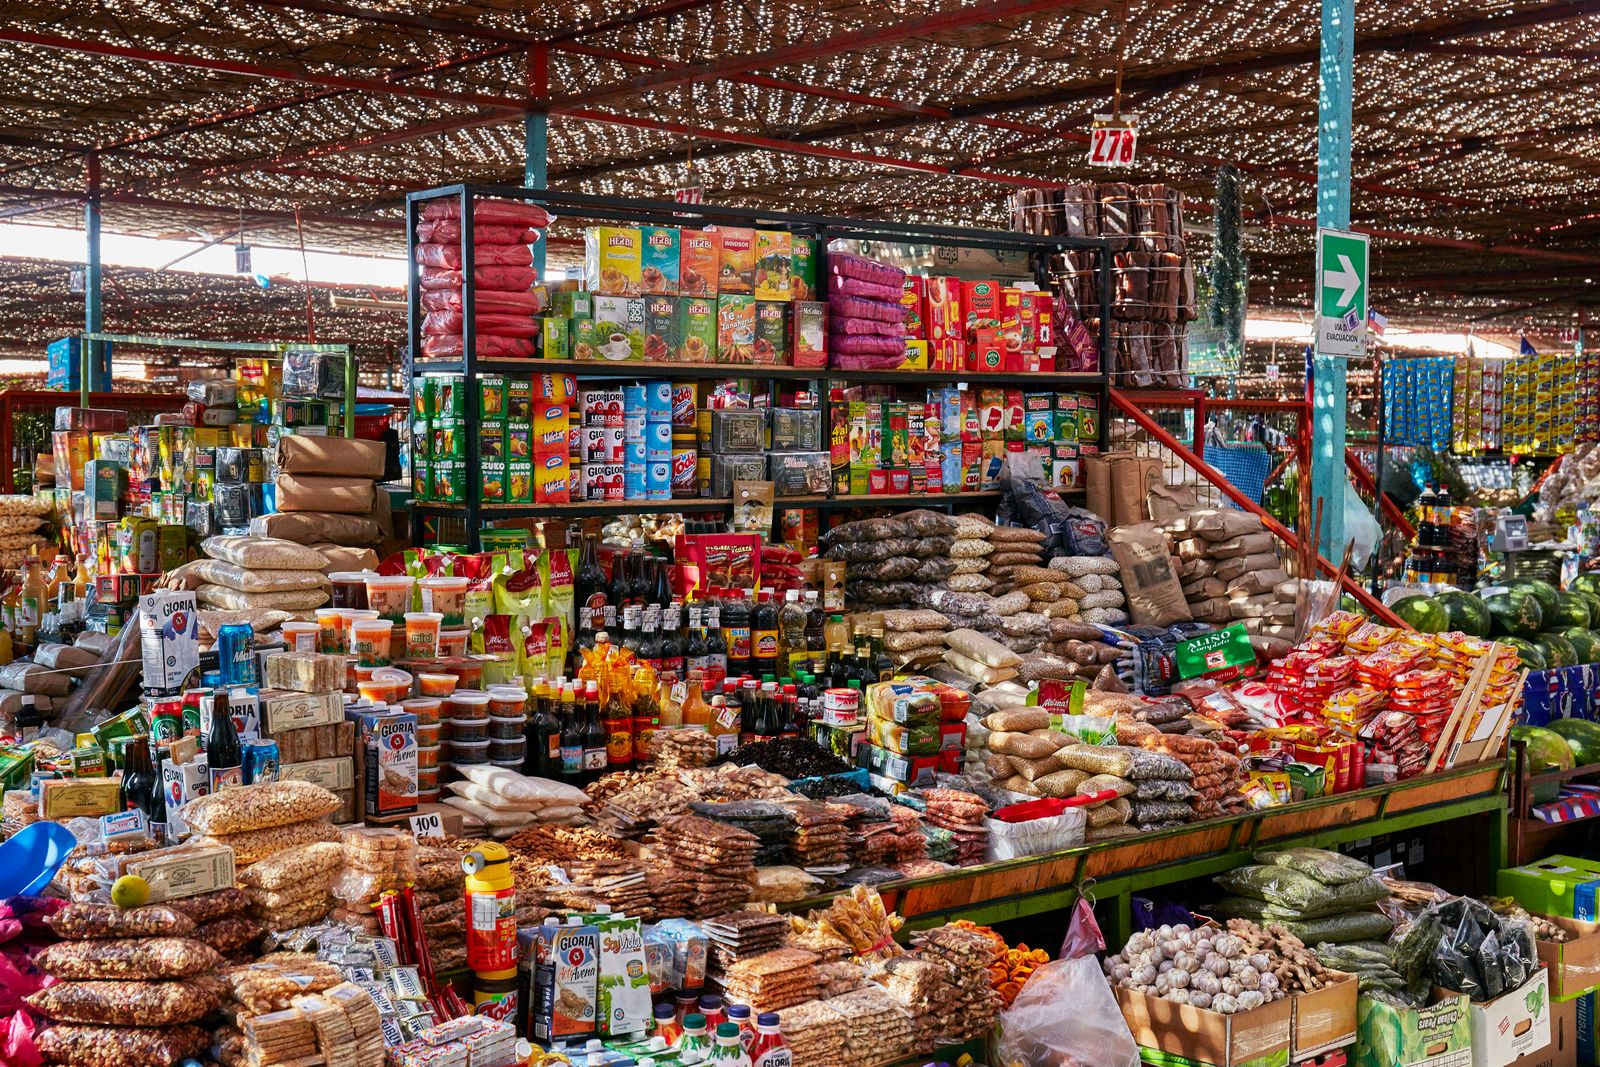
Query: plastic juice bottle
[
  {"x": 739, "y": 1015},
  {"x": 711, "y": 1006},
  {"x": 729, "y": 1050},
  {"x": 694, "y": 711},
  {"x": 768, "y": 1049},
  {"x": 666, "y": 1022},
  {"x": 693, "y": 1041}
]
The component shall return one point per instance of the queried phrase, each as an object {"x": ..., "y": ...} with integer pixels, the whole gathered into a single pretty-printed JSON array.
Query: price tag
[
  {"x": 1113, "y": 142},
  {"x": 427, "y": 825},
  {"x": 1272, "y": 372}
]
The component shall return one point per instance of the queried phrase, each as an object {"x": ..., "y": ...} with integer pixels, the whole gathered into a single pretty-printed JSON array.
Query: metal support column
[
  {"x": 93, "y": 319},
  {"x": 536, "y": 135},
  {"x": 1329, "y": 396}
]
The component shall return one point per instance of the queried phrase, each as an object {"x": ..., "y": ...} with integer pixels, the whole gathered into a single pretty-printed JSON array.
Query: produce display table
[{"x": 1035, "y": 885}]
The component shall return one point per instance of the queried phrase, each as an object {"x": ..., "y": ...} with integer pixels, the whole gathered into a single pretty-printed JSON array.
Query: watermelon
[
  {"x": 1546, "y": 594},
  {"x": 1571, "y": 610},
  {"x": 1586, "y": 583},
  {"x": 1531, "y": 655},
  {"x": 1423, "y": 613},
  {"x": 1514, "y": 612},
  {"x": 1593, "y": 600},
  {"x": 1558, "y": 651},
  {"x": 1582, "y": 736},
  {"x": 1585, "y": 643},
  {"x": 1546, "y": 748},
  {"x": 1467, "y": 613}
]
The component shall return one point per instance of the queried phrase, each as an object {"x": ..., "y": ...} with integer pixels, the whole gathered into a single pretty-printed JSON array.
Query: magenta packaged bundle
[
  {"x": 848, "y": 265},
  {"x": 870, "y": 290},
  {"x": 854, "y": 307},
  {"x": 493, "y": 212},
  {"x": 502, "y": 279},
  {"x": 867, "y": 327},
  {"x": 448, "y": 231},
  {"x": 448, "y": 322},
  {"x": 490, "y": 346},
  {"x": 488, "y": 300},
  {"x": 438, "y": 255},
  {"x": 856, "y": 344},
  {"x": 866, "y": 360}
]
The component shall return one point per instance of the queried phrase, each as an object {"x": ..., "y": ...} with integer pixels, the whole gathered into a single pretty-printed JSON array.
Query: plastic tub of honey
[
  {"x": 469, "y": 753},
  {"x": 385, "y": 685},
  {"x": 427, "y": 782},
  {"x": 503, "y": 749},
  {"x": 507, "y": 700},
  {"x": 469, "y": 673},
  {"x": 426, "y": 709},
  {"x": 452, "y": 643},
  {"x": 505, "y": 727},
  {"x": 436, "y": 685}
]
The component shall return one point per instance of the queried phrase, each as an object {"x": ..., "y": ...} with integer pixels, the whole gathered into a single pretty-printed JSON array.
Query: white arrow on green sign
[{"x": 1342, "y": 263}]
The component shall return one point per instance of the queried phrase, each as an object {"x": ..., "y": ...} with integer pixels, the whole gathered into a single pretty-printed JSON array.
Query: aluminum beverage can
[
  {"x": 166, "y": 720},
  {"x": 260, "y": 761},
  {"x": 235, "y": 656},
  {"x": 192, "y": 716}
]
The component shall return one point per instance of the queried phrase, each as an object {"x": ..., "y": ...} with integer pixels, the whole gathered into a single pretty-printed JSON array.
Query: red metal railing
[{"x": 1130, "y": 409}]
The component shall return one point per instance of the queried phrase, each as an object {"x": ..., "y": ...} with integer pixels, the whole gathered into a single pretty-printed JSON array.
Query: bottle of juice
[
  {"x": 693, "y": 1042},
  {"x": 666, "y": 1022},
  {"x": 695, "y": 711},
  {"x": 729, "y": 1050},
  {"x": 769, "y": 1049}
]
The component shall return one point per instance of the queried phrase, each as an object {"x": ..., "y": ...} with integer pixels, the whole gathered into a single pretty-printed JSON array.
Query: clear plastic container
[
  {"x": 428, "y": 756},
  {"x": 436, "y": 685},
  {"x": 422, "y": 634},
  {"x": 373, "y": 638},
  {"x": 505, "y": 727},
  {"x": 468, "y": 730},
  {"x": 469, "y": 673},
  {"x": 508, "y": 700},
  {"x": 351, "y": 617},
  {"x": 465, "y": 704},
  {"x": 426, "y": 709},
  {"x": 504, "y": 750},
  {"x": 452, "y": 643},
  {"x": 427, "y": 785},
  {"x": 447, "y": 596},
  {"x": 302, "y": 636},
  {"x": 509, "y": 764},
  {"x": 390, "y": 595},
  {"x": 350, "y": 588},
  {"x": 428, "y": 734},
  {"x": 385, "y": 685},
  {"x": 469, "y": 753},
  {"x": 331, "y": 636}
]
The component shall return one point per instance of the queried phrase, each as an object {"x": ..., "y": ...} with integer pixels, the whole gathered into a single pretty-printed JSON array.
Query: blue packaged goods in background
[
  {"x": 260, "y": 762},
  {"x": 66, "y": 365},
  {"x": 237, "y": 659}
]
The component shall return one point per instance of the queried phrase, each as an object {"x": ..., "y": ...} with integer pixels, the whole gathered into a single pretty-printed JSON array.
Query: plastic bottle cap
[
  {"x": 738, "y": 1011},
  {"x": 728, "y": 1030},
  {"x": 767, "y": 1018}
]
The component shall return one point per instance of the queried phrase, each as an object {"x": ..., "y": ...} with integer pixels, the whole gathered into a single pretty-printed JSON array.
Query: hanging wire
[
  {"x": 1122, "y": 54},
  {"x": 305, "y": 275}
]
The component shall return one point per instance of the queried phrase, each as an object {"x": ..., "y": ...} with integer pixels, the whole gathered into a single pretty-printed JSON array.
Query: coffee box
[
  {"x": 772, "y": 332},
  {"x": 612, "y": 260},
  {"x": 619, "y": 328},
  {"x": 697, "y": 330},
  {"x": 659, "y": 257},
  {"x": 773, "y": 253},
  {"x": 662, "y": 328},
  {"x": 699, "y": 262},
  {"x": 803, "y": 268},
  {"x": 737, "y": 272},
  {"x": 736, "y": 327}
]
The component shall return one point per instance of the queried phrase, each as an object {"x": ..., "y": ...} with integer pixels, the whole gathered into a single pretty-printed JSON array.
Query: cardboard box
[
  {"x": 659, "y": 260},
  {"x": 1439, "y": 1035},
  {"x": 736, "y": 328},
  {"x": 611, "y": 260},
  {"x": 697, "y": 330},
  {"x": 699, "y": 262},
  {"x": 1324, "y": 1020},
  {"x": 773, "y": 252},
  {"x": 334, "y": 775},
  {"x": 1565, "y": 886},
  {"x": 1574, "y": 965},
  {"x": 663, "y": 335},
  {"x": 1203, "y": 1036},
  {"x": 1562, "y": 1051},
  {"x": 1511, "y": 1025},
  {"x": 285, "y": 710},
  {"x": 737, "y": 273}
]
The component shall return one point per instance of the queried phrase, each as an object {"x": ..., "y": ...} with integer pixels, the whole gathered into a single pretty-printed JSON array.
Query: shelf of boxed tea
[{"x": 633, "y": 369}]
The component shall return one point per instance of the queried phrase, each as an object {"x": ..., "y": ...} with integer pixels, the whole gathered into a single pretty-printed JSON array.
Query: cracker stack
[
  {"x": 770, "y": 821},
  {"x": 739, "y": 935},
  {"x": 879, "y": 1029},
  {"x": 822, "y": 834},
  {"x": 815, "y": 1032},
  {"x": 963, "y": 815},
  {"x": 773, "y": 981},
  {"x": 720, "y": 857},
  {"x": 926, "y": 988}
]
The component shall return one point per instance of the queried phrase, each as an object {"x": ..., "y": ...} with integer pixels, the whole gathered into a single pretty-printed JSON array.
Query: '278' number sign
[{"x": 1113, "y": 140}]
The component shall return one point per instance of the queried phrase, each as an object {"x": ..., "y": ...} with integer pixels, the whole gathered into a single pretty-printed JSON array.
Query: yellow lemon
[{"x": 130, "y": 891}]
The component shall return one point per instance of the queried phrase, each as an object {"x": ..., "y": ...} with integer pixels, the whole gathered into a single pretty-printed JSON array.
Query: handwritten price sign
[{"x": 1113, "y": 141}]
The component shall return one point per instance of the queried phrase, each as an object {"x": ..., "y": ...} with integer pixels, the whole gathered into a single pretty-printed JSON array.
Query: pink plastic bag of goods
[
  {"x": 870, "y": 290},
  {"x": 865, "y": 360},
  {"x": 866, "y": 328},
  {"x": 489, "y": 301},
  {"x": 489, "y": 346},
  {"x": 446, "y": 322},
  {"x": 448, "y": 231},
  {"x": 849, "y": 265},
  {"x": 854, "y": 307},
  {"x": 869, "y": 346},
  {"x": 16, "y": 1042},
  {"x": 494, "y": 212},
  {"x": 449, "y": 255},
  {"x": 499, "y": 279}
]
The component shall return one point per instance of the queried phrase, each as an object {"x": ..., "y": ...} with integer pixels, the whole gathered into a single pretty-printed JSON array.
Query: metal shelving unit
[{"x": 823, "y": 229}]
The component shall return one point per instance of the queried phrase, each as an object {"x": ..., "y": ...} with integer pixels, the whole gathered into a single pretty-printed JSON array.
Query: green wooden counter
[{"x": 1118, "y": 869}]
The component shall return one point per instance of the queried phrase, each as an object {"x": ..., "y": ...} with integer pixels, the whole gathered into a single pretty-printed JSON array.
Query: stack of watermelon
[{"x": 1547, "y": 626}]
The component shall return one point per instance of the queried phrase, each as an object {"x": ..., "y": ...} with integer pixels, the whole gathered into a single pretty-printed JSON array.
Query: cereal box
[
  {"x": 662, "y": 336},
  {"x": 737, "y": 270},
  {"x": 659, "y": 260},
  {"x": 697, "y": 330},
  {"x": 773, "y": 252},
  {"x": 802, "y": 268},
  {"x": 736, "y": 327},
  {"x": 699, "y": 262},
  {"x": 808, "y": 332},
  {"x": 772, "y": 332},
  {"x": 619, "y": 328},
  {"x": 612, "y": 263},
  {"x": 388, "y": 743},
  {"x": 566, "y": 977}
]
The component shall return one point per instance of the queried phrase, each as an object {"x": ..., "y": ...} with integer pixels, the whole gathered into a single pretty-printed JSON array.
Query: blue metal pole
[
  {"x": 536, "y": 135},
  {"x": 93, "y": 320},
  {"x": 1329, "y": 397}
]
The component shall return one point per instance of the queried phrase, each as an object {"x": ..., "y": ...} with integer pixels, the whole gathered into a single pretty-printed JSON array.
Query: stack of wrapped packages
[
  {"x": 498, "y": 802},
  {"x": 263, "y": 581},
  {"x": 129, "y": 986},
  {"x": 504, "y": 280},
  {"x": 293, "y": 887},
  {"x": 1099, "y": 577},
  {"x": 1320, "y": 896},
  {"x": 325, "y": 491},
  {"x": 866, "y": 321},
  {"x": 888, "y": 561},
  {"x": 263, "y": 820},
  {"x": 1230, "y": 572},
  {"x": 21, "y": 516},
  {"x": 913, "y": 636},
  {"x": 376, "y": 860},
  {"x": 721, "y": 859}
]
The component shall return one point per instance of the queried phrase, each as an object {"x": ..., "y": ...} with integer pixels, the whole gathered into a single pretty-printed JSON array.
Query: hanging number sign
[{"x": 1113, "y": 140}]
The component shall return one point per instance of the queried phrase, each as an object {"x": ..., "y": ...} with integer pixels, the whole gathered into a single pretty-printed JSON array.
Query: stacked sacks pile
[
  {"x": 260, "y": 821},
  {"x": 970, "y": 552},
  {"x": 866, "y": 321},
  {"x": 1230, "y": 572},
  {"x": 1099, "y": 577},
  {"x": 498, "y": 801},
  {"x": 887, "y": 560},
  {"x": 1320, "y": 896},
  {"x": 129, "y": 986},
  {"x": 376, "y": 860},
  {"x": 255, "y": 574},
  {"x": 287, "y": 888},
  {"x": 503, "y": 277},
  {"x": 913, "y": 635},
  {"x": 21, "y": 516},
  {"x": 330, "y": 483},
  {"x": 1216, "y": 775}
]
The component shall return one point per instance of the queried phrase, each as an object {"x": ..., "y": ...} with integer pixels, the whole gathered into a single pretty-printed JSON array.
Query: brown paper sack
[
  {"x": 310, "y": 492},
  {"x": 1149, "y": 578},
  {"x": 350, "y": 457},
  {"x": 1131, "y": 480}
]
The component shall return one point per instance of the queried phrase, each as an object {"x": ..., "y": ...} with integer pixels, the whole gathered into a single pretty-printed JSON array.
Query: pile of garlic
[{"x": 1206, "y": 967}]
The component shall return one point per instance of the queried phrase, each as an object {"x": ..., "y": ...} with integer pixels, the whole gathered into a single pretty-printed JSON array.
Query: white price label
[
  {"x": 1113, "y": 142},
  {"x": 427, "y": 825}
]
